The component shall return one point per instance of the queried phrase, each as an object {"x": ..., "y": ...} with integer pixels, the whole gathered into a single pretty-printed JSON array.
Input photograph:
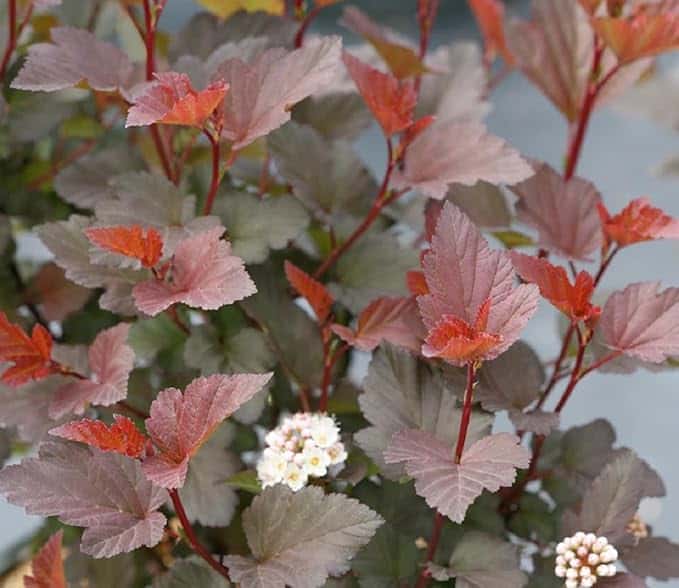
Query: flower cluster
[
  {"x": 584, "y": 558},
  {"x": 304, "y": 445}
]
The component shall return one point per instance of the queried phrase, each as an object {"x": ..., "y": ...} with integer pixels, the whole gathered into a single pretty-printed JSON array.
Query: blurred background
[{"x": 620, "y": 155}]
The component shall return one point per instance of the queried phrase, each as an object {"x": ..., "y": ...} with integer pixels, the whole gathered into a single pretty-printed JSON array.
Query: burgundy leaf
[
  {"x": 463, "y": 274},
  {"x": 450, "y": 487},
  {"x": 47, "y": 567},
  {"x": 111, "y": 360},
  {"x": 656, "y": 557},
  {"x": 262, "y": 92},
  {"x": 455, "y": 152},
  {"x": 180, "y": 423},
  {"x": 563, "y": 212},
  {"x": 315, "y": 293},
  {"x": 642, "y": 322},
  {"x": 73, "y": 56},
  {"x": 534, "y": 421},
  {"x": 103, "y": 492},
  {"x": 204, "y": 274}
]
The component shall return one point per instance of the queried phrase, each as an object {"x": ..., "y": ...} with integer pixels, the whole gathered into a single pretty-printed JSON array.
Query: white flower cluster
[
  {"x": 584, "y": 558},
  {"x": 304, "y": 445}
]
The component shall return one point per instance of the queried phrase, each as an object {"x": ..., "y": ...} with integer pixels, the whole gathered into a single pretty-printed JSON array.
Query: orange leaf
[
  {"x": 490, "y": 16},
  {"x": 454, "y": 339},
  {"x": 121, "y": 437},
  {"x": 31, "y": 356},
  {"x": 146, "y": 246},
  {"x": 391, "y": 102},
  {"x": 417, "y": 284},
  {"x": 651, "y": 29},
  {"x": 637, "y": 222},
  {"x": 311, "y": 290},
  {"x": 47, "y": 567},
  {"x": 574, "y": 300}
]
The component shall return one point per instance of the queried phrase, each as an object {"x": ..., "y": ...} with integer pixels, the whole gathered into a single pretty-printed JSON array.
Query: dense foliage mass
[{"x": 194, "y": 262}]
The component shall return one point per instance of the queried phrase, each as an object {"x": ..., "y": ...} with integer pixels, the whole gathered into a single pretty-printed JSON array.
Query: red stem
[
  {"x": 381, "y": 200},
  {"x": 214, "y": 183},
  {"x": 132, "y": 410},
  {"x": 426, "y": 14},
  {"x": 423, "y": 580},
  {"x": 12, "y": 36},
  {"x": 195, "y": 543},
  {"x": 575, "y": 374},
  {"x": 557, "y": 367},
  {"x": 308, "y": 19},
  {"x": 328, "y": 366}
]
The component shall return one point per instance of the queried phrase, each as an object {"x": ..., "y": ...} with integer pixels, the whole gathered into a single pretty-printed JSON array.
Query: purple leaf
[
  {"x": 642, "y": 322},
  {"x": 656, "y": 557},
  {"x": 103, "y": 492},
  {"x": 111, "y": 360},
  {"x": 563, "y": 212},
  {"x": 451, "y": 488},
  {"x": 535, "y": 421},
  {"x": 73, "y": 56},
  {"x": 454, "y": 152}
]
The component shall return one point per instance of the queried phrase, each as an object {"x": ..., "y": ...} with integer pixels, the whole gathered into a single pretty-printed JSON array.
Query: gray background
[{"x": 619, "y": 155}]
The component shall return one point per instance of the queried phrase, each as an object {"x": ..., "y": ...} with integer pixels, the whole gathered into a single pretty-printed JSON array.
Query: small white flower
[
  {"x": 588, "y": 582},
  {"x": 337, "y": 453},
  {"x": 315, "y": 462},
  {"x": 584, "y": 558},
  {"x": 324, "y": 432},
  {"x": 295, "y": 477},
  {"x": 271, "y": 468},
  {"x": 560, "y": 571}
]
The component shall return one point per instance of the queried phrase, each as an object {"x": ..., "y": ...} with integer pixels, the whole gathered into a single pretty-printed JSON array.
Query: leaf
[
  {"x": 47, "y": 567},
  {"x": 207, "y": 497},
  {"x": 403, "y": 392},
  {"x": 612, "y": 499},
  {"x": 335, "y": 116},
  {"x": 256, "y": 226},
  {"x": 111, "y": 360},
  {"x": 189, "y": 573},
  {"x": 490, "y": 16},
  {"x": 554, "y": 51},
  {"x": 103, "y": 492},
  {"x": 484, "y": 203},
  {"x": 149, "y": 337},
  {"x": 30, "y": 356},
  {"x": 246, "y": 480},
  {"x": 74, "y": 55},
  {"x": 458, "y": 152},
  {"x": 395, "y": 320},
  {"x": 204, "y": 275},
  {"x": 482, "y": 560},
  {"x": 563, "y": 212},
  {"x": 626, "y": 581},
  {"x": 637, "y": 222},
  {"x": 225, "y": 8},
  {"x": 180, "y": 423},
  {"x": 650, "y": 29},
  {"x": 121, "y": 437},
  {"x": 449, "y": 487},
  {"x": 277, "y": 79},
  {"x": 512, "y": 239},
  {"x": 133, "y": 241},
  {"x": 656, "y": 557},
  {"x": 171, "y": 99},
  {"x": 300, "y": 538},
  {"x": 326, "y": 176},
  {"x": 311, "y": 290},
  {"x": 463, "y": 275},
  {"x": 573, "y": 299},
  {"x": 642, "y": 322},
  {"x": 391, "y": 102},
  {"x": 57, "y": 296},
  {"x": 402, "y": 60},
  {"x": 457, "y": 90},
  {"x": 539, "y": 422}
]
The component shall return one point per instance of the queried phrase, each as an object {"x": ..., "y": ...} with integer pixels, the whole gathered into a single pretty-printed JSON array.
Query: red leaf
[
  {"x": 391, "y": 102},
  {"x": 144, "y": 245},
  {"x": 571, "y": 299},
  {"x": 455, "y": 340},
  {"x": 490, "y": 16},
  {"x": 652, "y": 28},
  {"x": 180, "y": 423},
  {"x": 121, "y": 437},
  {"x": 390, "y": 319},
  {"x": 31, "y": 357},
  {"x": 637, "y": 222},
  {"x": 417, "y": 283},
  {"x": 473, "y": 285},
  {"x": 47, "y": 567},
  {"x": 311, "y": 290},
  {"x": 58, "y": 296},
  {"x": 172, "y": 100}
]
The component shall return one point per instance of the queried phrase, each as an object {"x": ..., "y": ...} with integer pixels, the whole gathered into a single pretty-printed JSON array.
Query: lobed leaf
[
  {"x": 30, "y": 357},
  {"x": 311, "y": 290},
  {"x": 47, "y": 567},
  {"x": 121, "y": 437}
]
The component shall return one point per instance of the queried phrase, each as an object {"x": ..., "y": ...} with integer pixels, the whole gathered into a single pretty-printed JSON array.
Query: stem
[
  {"x": 132, "y": 410},
  {"x": 426, "y": 14},
  {"x": 328, "y": 366},
  {"x": 11, "y": 37},
  {"x": 304, "y": 399},
  {"x": 308, "y": 19},
  {"x": 174, "y": 315},
  {"x": 195, "y": 543},
  {"x": 381, "y": 200},
  {"x": 604, "y": 265},
  {"x": 557, "y": 367},
  {"x": 214, "y": 183},
  {"x": 423, "y": 580},
  {"x": 21, "y": 286},
  {"x": 575, "y": 374}
]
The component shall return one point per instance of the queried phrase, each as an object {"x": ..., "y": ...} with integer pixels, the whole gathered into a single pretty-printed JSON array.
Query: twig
[
  {"x": 308, "y": 19},
  {"x": 214, "y": 182},
  {"x": 329, "y": 364}
]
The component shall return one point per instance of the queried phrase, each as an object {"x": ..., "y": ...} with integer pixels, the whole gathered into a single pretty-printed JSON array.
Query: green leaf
[
  {"x": 81, "y": 126},
  {"x": 192, "y": 572},
  {"x": 484, "y": 203},
  {"x": 148, "y": 337},
  {"x": 246, "y": 480},
  {"x": 534, "y": 520},
  {"x": 512, "y": 239},
  {"x": 334, "y": 116}
]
